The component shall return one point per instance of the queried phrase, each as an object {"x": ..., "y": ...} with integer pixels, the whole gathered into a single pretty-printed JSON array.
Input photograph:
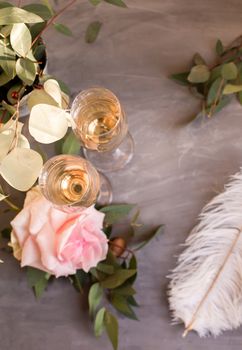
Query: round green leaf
[
  {"x": 26, "y": 70},
  {"x": 47, "y": 123},
  {"x": 20, "y": 39},
  {"x": 199, "y": 74},
  {"x": 229, "y": 71},
  {"x": 21, "y": 168},
  {"x": 92, "y": 31}
]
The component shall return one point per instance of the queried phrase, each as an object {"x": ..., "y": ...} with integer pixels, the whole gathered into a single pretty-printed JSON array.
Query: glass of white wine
[
  {"x": 100, "y": 124},
  {"x": 71, "y": 183}
]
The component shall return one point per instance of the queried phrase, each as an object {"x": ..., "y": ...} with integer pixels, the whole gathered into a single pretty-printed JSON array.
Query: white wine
[
  {"x": 99, "y": 121},
  {"x": 69, "y": 181}
]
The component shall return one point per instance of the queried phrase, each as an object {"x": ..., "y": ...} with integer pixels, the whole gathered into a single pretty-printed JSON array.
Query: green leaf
[
  {"x": 219, "y": 48},
  {"x": 4, "y": 78},
  {"x": 79, "y": 280},
  {"x": 47, "y": 3},
  {"x": 198, "y": 60},
  {"x": 119, "y": 3},
  {"x": 214, "y": 90},
  {"x": 92, "y": 31},
  {"x": 126, "y": 290},
  {"x": 8, "y": 61},
  {"x": 38, "y": 280},
  {"x": 199, "y": 74},
  {"x": 61, "y": 28},
  {"x": 221, "y": 104},
  {"x": 116, "y": 212},
  {"x": 153, "y": 234},
  {"x": 99, "y": 322},
  {"x": 118, "y": 278},
  {"x": 36, "y": 29},
  {"x": 21, "y": 39},
  {"x": 231, "y": 89},
  {"x": 5, "y": 4},
  {"x": 121, "y": 304},
  {"x": 131, "y": 300},
  {"x": 6, "y": 30},
  {"x": 181, "y": 78},
  {"x": 39, "y": 9},
  {"x": 39, "y": 52},
  {"x": 215, "y": 73},
  {"x": 95, "y": 2},
  {"x": 111, "y": 325},
  {"x": 11, "y": 15},
  {"x": 70, "y": 144},
  {"x": 94, "y": 297},
  {"x": 229, "y": 71},
  {"x": 26, "y": 70},
  {"x": 105, "y": 268}
]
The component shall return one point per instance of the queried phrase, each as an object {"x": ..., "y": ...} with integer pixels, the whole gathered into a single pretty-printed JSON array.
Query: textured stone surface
[{"x": 177, "y": 168}]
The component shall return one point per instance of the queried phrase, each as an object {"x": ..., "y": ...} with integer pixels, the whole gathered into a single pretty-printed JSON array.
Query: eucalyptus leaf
[
  {"x": 229, "y": 71},
  {"x": 116, "y": 212},
  {"x": 92, "y": 31},
  {"x": 12, "y": 15},
  {"x": 8, "y": 61},
  {"x": 199, "y": 74},
  {"x": 198, "y": 59},
  {"x": 99, "y": 322},
  {"x": 219, "y": 47},
  {"x": 4, "y": 78},
  {"x": 6, "y": 141},
  {"x": 26, "y": 70},
  {"x": 6, "y": 30},
  {"x": 181, "y": 78},
  {"x": 52, "y": 87},
  {"x": 105, "y": 268},
  {"x": 111, "y": 325},
  {"x": 39, "y": 9},
  {"x": 39, "y": 52},
  {"x": 71, "y": 145},
  {"x": 94, "y": 297},
  {"x": 47, "y": 123},
  {"x": 231, "y": 89},
  {"x": 20, "y": 38},
  {"x": 214, "y": 90},
  {"x": 63, "y": 29},
  {"x": 48, "y": 4},
  {"x": 119, "y": 3},
  {"x": 38, "y": 96},
  {"x": 36, "y": 29},
  {"x": 118, "y": 278},
  {"x": 21, "y": 168}
]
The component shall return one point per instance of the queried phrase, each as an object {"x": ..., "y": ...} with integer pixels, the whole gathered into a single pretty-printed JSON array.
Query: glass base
[
  {"x": 105, "y": 196},
  {"x": 112, "y": 160}
]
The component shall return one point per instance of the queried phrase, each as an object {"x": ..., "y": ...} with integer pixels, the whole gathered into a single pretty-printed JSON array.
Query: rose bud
[{"x": 117, "y": 246}]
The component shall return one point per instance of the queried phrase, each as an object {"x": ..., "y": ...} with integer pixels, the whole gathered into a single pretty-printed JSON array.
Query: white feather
[{"x": 205, "y": 291}]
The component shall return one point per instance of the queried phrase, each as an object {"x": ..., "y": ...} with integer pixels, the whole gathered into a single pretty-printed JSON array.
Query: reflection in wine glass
[
  {"x": 100, "y": 124},
  {"x": 71, "y": 183}
]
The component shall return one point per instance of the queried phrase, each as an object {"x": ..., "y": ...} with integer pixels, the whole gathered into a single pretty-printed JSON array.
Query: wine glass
[
  {"x": 100, "y": 124},
  {"x": 71, "y": 183}
]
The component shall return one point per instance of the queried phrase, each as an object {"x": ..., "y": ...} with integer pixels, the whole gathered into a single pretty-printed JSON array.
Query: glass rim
[{"x": 98, "y": 88}]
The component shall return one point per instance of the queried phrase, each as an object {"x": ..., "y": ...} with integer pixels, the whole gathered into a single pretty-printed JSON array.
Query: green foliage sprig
[
  {"x": 215, "y": 85},
  {"x": 109, "y": 287}
]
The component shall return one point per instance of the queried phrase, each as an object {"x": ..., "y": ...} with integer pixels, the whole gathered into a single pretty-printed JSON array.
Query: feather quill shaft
[{"x": 205, "y": 291}]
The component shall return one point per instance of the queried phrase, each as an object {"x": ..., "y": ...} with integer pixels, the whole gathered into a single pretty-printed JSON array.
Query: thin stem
[
  {"x": 11, "y": 204},
  {"x": 51, "y": 21}
]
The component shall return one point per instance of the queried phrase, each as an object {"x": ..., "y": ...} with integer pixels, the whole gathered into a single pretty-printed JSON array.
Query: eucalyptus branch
[{"x": 51, "y": 21}]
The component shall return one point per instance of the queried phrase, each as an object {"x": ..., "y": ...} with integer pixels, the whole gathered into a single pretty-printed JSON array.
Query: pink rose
[{"x": 54, "y": 241}]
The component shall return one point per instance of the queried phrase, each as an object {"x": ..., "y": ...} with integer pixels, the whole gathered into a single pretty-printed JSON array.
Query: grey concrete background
[{"x": 177, "y": 168}]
